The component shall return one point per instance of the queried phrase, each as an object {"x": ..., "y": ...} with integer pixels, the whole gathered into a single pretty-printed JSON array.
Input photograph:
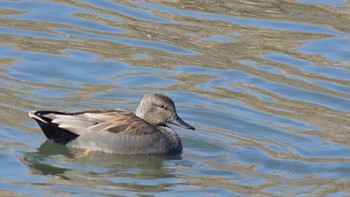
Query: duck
[{"x": 119, "y": 131}]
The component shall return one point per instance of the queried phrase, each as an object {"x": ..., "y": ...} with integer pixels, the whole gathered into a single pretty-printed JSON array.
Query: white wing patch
[{"x": 77, "y": 124}]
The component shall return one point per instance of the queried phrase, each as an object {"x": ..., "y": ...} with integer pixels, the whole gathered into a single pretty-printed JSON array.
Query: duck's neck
[{"x": 140, "y": 113}]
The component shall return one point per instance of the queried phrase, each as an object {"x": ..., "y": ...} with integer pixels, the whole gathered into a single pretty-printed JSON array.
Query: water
[{"x": 266, "y": 84}]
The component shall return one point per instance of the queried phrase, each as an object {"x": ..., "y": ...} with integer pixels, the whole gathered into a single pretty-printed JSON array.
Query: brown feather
[{"x": 128, "y": 123}]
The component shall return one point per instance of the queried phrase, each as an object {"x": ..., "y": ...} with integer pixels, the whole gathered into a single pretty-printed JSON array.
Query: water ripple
[
  {"x": 265, "y": 84},
  {"x": 270, "y": 24}
]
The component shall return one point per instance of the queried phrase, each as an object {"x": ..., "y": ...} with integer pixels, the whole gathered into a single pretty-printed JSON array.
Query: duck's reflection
[{"x": 54, "y": 159}]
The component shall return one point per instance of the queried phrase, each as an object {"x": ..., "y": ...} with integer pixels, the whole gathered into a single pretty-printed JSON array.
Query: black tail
[{"x": 51, "y": 130}]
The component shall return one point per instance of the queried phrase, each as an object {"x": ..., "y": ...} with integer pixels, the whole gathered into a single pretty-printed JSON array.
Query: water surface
[{"x": 266, "y": 84}]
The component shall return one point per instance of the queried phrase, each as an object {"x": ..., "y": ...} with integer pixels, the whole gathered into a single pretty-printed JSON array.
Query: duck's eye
[{"x": 161, "y": 106}]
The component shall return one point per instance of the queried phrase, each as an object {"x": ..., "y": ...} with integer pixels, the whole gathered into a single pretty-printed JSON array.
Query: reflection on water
[
  {"x": 266, "y": 84},
  {"x": 57, "y": 160}
]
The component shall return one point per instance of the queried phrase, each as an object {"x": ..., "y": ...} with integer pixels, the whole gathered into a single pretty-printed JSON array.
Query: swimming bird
[{"x": 119, "y": 131}]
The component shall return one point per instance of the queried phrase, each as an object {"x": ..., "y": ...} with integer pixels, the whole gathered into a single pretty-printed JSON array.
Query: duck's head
[{"x": 158, "y": 109}]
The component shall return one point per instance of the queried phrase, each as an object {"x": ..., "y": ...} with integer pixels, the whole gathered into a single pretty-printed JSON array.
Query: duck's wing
[{"x": 63, "y": 127}]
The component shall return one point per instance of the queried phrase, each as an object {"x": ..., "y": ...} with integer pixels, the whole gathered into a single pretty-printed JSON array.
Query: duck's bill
[{"x": 179, "y": 122}]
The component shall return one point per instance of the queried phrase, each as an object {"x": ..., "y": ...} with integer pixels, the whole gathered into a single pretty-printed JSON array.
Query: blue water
[{"x": 267, "y": 87}]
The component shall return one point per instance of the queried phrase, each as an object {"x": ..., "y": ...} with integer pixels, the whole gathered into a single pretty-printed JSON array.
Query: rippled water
[{"x": 265, "y": 83}]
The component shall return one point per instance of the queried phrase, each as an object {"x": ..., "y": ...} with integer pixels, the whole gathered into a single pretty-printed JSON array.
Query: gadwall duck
[{"x": 116, "y": 130}]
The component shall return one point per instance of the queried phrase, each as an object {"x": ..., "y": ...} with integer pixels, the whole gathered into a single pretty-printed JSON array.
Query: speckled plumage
[{"x": 116, "y": 130}]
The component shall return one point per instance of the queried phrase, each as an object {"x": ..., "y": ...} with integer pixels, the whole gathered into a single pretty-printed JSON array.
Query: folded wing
[{"x": 63, "y": 127}]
